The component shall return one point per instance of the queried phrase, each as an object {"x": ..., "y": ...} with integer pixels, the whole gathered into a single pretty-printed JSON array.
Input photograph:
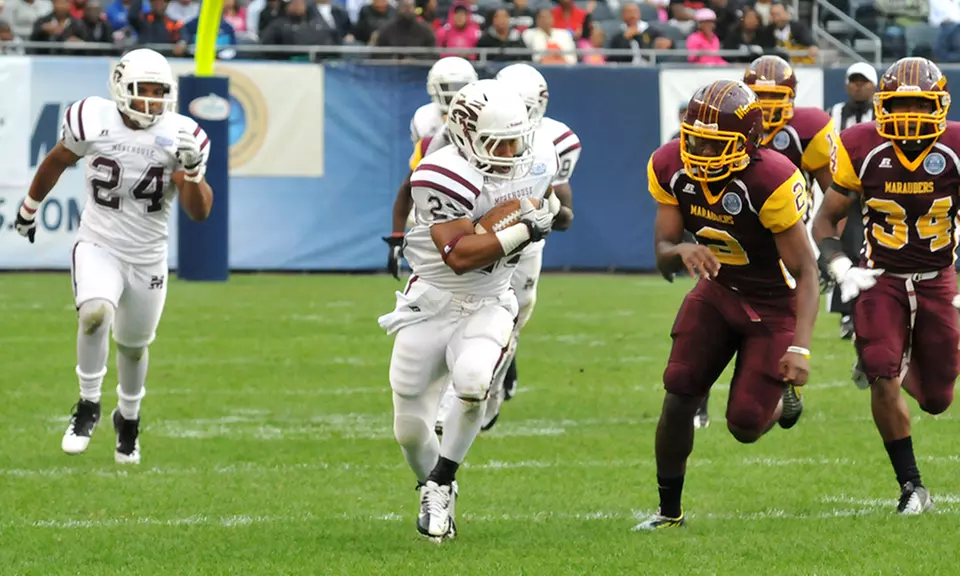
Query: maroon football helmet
[
  {"x": 720, "y": 130},
  {"x": 911, "y": 102},
  {"x": 775, "y": 84}
]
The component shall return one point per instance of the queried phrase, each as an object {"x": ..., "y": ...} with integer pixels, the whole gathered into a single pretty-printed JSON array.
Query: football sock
[
  {"x": 132, "y": 372},
  {"x": 903, "y": 460},
  {"x": 461, "y": 429},
  {"x": 444, "y": 472},
  {"x": 93, "y": 346},
  {"x": 671, "y": 490}
]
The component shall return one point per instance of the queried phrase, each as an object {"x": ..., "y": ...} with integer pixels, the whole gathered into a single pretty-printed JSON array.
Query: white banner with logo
[
  {"x": 276, "y": 117},
  {"x": 678, "y": 85}
]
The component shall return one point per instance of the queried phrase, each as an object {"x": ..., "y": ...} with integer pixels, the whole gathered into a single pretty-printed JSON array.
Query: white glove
[
  {"x": 553, "y": 203},
  {"x": 852, "y": 280},
  {"x": 189, "y": 157},
  {"x": 538, "y": 220}
]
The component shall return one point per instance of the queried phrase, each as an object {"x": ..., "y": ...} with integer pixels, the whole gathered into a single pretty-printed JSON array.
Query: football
[{"x": 501, "y": 216}]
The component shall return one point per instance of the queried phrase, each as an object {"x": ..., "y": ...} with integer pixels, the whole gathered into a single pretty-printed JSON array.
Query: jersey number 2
[
  {"x": 724, "y": 246},
  {"x": 149, "y": 188}
]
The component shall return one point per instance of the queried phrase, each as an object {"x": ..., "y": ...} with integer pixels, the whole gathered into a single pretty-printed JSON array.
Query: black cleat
[
  {"x": 510, "y": 382},
  {"x": 83, "y": 422},
  {"x": 128, "y": 439},
  {"x": 792, "y": 407}
]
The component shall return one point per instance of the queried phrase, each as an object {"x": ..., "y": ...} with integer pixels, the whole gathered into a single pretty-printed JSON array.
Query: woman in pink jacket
[
  {"x": 704, "y": 39},
  {"x": 459, "y": 32}
]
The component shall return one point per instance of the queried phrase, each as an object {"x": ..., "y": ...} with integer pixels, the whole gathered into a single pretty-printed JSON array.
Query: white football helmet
[
  {"x": 142, "y": 66},
  {"x": 484, "y": 116},
  {"x": 531, "y": 85},
  {"x": 446, "y": 77}
]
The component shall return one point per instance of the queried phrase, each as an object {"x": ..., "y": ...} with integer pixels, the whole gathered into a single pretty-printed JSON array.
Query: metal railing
[
  {"x": 820, "y": 33},
  {"x": 377, "y": 54}
]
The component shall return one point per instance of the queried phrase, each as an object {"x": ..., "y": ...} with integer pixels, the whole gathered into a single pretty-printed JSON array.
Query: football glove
[
  {"x": 395, "y": 243},
  {"x": 26, "y": 223},
  {"x": 539, "y": 220},
  {"x": 852, "y": 280},
  {"x": 189, "y": 156}
]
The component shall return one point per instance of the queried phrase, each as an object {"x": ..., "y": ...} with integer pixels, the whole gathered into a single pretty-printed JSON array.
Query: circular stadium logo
[
  {"x": 732, "y": 203},
  {"x": 248, "y": 117},
  {"x": 934, "y": 163},
  {"x": 781, "y": 140}
]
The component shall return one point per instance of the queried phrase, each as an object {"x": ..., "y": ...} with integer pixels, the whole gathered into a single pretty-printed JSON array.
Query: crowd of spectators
[{"x": 550, "y": 31}]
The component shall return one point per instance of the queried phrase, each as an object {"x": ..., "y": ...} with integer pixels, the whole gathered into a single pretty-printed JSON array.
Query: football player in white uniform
[
  {"x": 533, "y": 89},
  {"x": 446, "y": 77},
  {"x": 139, "y": 154},
  {"x": 457, "y": 312}
]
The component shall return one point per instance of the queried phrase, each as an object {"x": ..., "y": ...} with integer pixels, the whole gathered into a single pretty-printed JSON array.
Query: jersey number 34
[{"x": 149, "y": 187}]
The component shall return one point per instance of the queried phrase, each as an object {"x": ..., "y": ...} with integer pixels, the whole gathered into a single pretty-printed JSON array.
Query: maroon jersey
[
  {"x": 805, "y": 140},
  {"x": 738, "y": 220},
  {"x": 909, "y": 205}
]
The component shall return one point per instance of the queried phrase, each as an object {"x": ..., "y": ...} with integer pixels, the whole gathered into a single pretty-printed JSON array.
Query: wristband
[
  {"x": 30, "y": 204},
  {"x": 513, "y": 237},
  {"x": 195, "y": 177},
  {"x": 799, "y": 350}
]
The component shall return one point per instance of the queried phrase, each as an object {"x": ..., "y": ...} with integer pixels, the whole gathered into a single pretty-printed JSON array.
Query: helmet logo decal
[{"x": 742, "y": 111}]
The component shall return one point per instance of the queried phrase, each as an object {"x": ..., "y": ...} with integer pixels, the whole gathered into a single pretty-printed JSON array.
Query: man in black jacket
[
  {"x": 500, "y": 36},
  {"x": 297, "y": 27},
  {"x": 405, "y": 30}
]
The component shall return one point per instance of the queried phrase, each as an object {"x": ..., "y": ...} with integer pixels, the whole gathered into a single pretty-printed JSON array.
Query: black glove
[
  {"x": 26, "y": 226},
  {"x": 395, "y": 242}
]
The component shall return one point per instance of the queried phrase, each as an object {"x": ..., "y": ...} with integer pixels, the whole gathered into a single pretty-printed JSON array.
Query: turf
[{"x": 268, "y": 449}]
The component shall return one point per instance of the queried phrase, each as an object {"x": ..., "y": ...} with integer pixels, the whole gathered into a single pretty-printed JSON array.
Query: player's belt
[{"x": 918, "y": 276}]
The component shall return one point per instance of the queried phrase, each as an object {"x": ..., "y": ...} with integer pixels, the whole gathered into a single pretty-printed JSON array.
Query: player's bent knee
[
  {"x": 748, "y": 421},
  {"x": 879, "y": 362},
  {"x": 410, "y": 431},
  {"x": 471, "y": 377},
  {"x": 682, "y": 380},
  {"x": 95, "y": 315},
  {"x": 744, "y": 436},
  {"x": 134, "y": 353},
  {"x": 939, "y": 402}
]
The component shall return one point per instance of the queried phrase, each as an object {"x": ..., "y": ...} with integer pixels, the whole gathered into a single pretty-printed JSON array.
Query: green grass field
[{"x": 268, "y": 449}]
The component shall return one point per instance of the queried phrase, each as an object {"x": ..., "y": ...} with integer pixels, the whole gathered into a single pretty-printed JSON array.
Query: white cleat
[
  {"x": 83, "y": 422},
  {"x": 128, "y": 439},
  {"x": 437, "y": 511},
  {"x": 914, "y": 500}
]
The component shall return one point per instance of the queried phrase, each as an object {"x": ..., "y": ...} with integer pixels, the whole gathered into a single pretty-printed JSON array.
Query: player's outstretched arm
[
  {"x": 47, "y": 176},
  {"x": 565, "y": 216},
  {"x": 797, "y": 255},
  {"x": 195, "y": 197},
  {"x": 836, "y": 206},
  {"x": 673, "y": 254}
]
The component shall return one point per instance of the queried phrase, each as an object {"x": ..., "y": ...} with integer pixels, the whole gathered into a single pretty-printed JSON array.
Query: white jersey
[
  {"x": 446, "y": 187},
  {"x": 425, "y": 122},
  {"x": 128, "y": 173},
  {"x": 567, "y": 144}
]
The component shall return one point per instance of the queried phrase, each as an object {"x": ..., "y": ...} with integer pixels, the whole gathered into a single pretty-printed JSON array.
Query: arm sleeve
[
  {"x": 786, "y": 205},
  {"x": 844, "y": 173},
  {"x": 817, "y": 153},
  {"x": 440, "y": 195},
  {"x": 568, "y": 150},
  {"x": 657, "y": 190},
  {"x": 74, "y": 131}
]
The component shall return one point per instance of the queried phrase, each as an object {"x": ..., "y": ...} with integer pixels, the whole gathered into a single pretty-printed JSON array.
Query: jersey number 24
[{"x": 149, "y": 187}]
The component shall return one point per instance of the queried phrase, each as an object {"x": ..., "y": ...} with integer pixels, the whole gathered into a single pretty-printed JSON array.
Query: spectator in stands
[
  {"x": 404, "y": 30},
  {"x": 118, "y": 13},
  {"x": 23, "y": 14},
  {"x": 235, "y": 15},
  {"x": 636, "y": 35},
  {"x": 297, "y": 27},
  {"x": 337, "y": 18},
  {"x": 477, "y": 14},
  {"x": 427, "y": 13},
  {"x": 704, "y": 39},
  {"x": 569, "y": 16},
  {"x": 791, "y": 35},
  {"x": 749, "y": 37},
  {"x": 183, "y": 10},
  {"x": 663, "y": 9},
  {"x": 499, "y": 36},
  {"x": 76, "y": 8},
  {"x": 728, "y": 14},
  {"x": 271, "y": 9},
  {"x": 226, "y": 35},
  {"x": 596, "y": 42},
  {"x": 96, "y": 23},
  {"x": 945, "y": 14},
  {"x": 459, "y": 32},
  {"x": 155, "y": 27},
  {"x": 550, "y": 45},
  {"x": 9, "y": 44},
  {"x": 59, "y": 26},
  {"x": 682, "y": 13},
  {"x": 521, "y": 16},
  {"x": 372, "y": 17}
]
